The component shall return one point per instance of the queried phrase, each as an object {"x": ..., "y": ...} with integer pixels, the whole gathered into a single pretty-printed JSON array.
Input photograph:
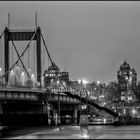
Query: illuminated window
[
  {"x": 123, "y": 98},
  {"x": 130, "y": 98}
]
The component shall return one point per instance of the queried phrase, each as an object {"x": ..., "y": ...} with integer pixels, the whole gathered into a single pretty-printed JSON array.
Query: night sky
[{"x": 88, "y": 39}]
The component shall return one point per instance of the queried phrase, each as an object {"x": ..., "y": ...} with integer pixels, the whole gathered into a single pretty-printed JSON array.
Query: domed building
[
  {"x": 127, "y": 80},
  {"x": 50, "y": 78}
]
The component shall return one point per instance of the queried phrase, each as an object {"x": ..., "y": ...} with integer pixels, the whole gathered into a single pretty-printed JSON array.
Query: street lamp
[
  {"x": 98, "y": 86},
  {"x": 85, "y": 83},
  {"x": 83, "y": 118},
  {"x": 98, "y": 82},
  {"x": 59, "y": 117},
  {"x": 134, "y": 112},
  {"x": 80, "y": 82}
]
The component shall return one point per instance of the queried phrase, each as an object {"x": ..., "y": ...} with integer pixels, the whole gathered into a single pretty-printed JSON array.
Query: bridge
[{"x": 23, "y": 98}]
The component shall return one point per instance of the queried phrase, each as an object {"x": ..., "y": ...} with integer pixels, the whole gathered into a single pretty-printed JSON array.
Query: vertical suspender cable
[
  {"x": 1, "y": 52},
  {"x": 43, "y": 59},
  {"x": 23, "y": 59},
  {"x": 28, "y": 57},
  {"x": 12, "y": 55},
  {"x": 34, "y": 58}
]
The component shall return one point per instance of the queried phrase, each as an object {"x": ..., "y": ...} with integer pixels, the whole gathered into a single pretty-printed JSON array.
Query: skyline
[{"x": 89, "y": 39}]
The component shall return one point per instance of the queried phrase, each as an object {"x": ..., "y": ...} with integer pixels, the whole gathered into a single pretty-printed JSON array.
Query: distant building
[
  {"x": 50, "y": 78},
  {"x": 127, "y": 81}
]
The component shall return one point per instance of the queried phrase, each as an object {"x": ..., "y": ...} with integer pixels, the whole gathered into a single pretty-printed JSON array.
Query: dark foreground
[{"x": 75, "y": 132}]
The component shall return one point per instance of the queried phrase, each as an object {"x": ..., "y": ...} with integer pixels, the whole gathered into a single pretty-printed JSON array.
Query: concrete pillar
[
  {"x": 55, "y": 117},
  {"x": 38, "y": 54},
  {"x": 75, "y": 116},
  {"x": 48, "y": 112},
  {"x": 6, "y": 52}
]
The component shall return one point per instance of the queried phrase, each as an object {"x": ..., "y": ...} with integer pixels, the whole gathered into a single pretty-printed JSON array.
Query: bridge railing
[
  {"x": 22, "y": 30},
  {"x": 4, "y": 86}
]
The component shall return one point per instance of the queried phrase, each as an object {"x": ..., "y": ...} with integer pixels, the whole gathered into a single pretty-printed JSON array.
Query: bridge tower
[{"x": 22, "y": 35}]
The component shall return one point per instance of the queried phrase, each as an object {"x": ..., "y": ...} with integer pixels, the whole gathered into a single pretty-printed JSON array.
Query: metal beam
[
  {"x": 38, "y": 54},
  {"x": 6, "y": 52}
]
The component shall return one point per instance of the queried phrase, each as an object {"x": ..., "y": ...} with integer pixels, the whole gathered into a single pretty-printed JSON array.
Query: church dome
[
  {"x": 125, "y": 65},
  {"x": 53, "y": 67}
]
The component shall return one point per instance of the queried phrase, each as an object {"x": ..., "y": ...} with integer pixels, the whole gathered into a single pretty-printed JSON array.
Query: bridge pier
[
  {"x": 55, "y": 117},
  {"x": 75, "y": 116},
  {"x": 49, "y": 114}
]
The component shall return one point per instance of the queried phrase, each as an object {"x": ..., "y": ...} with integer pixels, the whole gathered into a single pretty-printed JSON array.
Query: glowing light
[
  {"x": 124, "y": 111},
  {"x": 104, "y": 120},
  {"x": 12, "y": 72},
  {"x": 58, "y": 82},
  {"x": 85, "y": 135},
  {"x": 84, "y": 106},
  {"x": 79, "y": 81},
  {"x": 98, "y": 82},
  {"x": 85, "y": 82},
  {"x": 17, "y": 74},
  {"x": 64, "y": 83},
  {"x": 22, "y": 78},
  {"x": 42, "y": 80},
  {"x": 130, "y": 79},
  {"x": 33, "y": 78},
  {"x": 22, "y": 73},
  {"x": 134, "y": 111},
  {"x": 11, "y": 77},
  {"x": 17, "y": 69}
]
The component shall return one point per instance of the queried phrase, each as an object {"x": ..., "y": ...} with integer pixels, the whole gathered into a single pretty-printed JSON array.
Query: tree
[
  {"x": 113, "y": 91},
  {"x": 113, "y": 95},
  {"x": 137, "y": 92}
]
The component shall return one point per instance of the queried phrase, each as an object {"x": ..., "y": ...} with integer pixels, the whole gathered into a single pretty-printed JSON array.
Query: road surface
[{"x": 75, "y": 132}]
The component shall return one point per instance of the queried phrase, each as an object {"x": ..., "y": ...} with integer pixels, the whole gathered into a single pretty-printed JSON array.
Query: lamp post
[
  {"x": 59, "y": 118},
  {"x": 83, "y": 118},
  {"x": 134, "y": 112},
  {"x": 85, "y": 83},
  {"x": 98, "y": 84},
  {"x": 80, "y": 82}
]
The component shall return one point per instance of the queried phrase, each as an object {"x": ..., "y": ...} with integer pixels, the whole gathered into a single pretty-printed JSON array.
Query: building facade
[
  {"x": 127, "y": 81},
  {"x": 51, "y": 79}
]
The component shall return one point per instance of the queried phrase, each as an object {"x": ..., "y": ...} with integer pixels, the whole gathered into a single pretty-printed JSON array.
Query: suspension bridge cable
[
  {"x": 21, "y": 60},
  {"x": 76, "y": 96},
  {"x": 46, "y": 49},
  {"x": 1, "y": 54},
  {"x": 52, "y": 61},
  {"x": 61, "y": 83},
  {"x": 43, "y": 58},
  {"x": 20, "y": 55},
  {"x": 2, "y": 34}
]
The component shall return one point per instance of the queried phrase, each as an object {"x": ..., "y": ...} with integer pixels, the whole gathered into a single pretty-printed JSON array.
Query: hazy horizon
[{"x": 90, "y": 39}]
